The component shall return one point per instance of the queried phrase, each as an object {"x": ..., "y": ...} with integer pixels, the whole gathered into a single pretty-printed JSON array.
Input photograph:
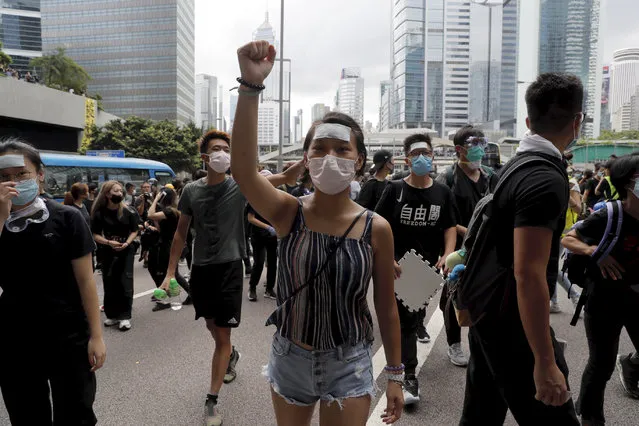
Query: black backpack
[
  {"x": 576, "y": 266},
  {"x": 484, "y": 274}
]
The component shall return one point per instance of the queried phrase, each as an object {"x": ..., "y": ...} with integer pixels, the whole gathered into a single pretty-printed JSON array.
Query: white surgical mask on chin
[
  {"x": 473, "y": 165},
  {"x": 331, "y": 175},
  {"x": 220, "y": 161}
]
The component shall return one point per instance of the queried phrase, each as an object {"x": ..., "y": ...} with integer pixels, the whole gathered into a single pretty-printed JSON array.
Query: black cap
[{"x": 382, "y": 157}]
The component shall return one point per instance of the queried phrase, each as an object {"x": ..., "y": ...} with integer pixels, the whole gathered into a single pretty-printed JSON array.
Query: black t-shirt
[
  {"x": 535, "y": 196},
  {"x": 593, "y": 198},
  {"x": 106, "y": 222},
  {"x": 84, "y": 212},
  {"x": 418, "y": 217},
  {"x": 300, "y": 191},
  {"x": 256, "y": 230},
  {"x": 147, "y": 200},
  {"x": 169, "y": 225},
  {"x": 40, "y": 296},
  {"x": 371, "y": 193},
  {"x": 625, "y": 251}
]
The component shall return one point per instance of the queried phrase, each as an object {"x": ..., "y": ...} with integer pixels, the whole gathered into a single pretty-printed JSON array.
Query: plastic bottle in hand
[{"x": 174, "y": 294}]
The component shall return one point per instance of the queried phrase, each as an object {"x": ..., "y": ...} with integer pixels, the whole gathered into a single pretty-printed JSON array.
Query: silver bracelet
[{"x": 397, "y": 378}]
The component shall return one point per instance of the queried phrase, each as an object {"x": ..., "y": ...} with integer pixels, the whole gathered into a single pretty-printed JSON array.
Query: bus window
[
  {"x": 163, "y": 177},
  {"x": 135, "y": 176}
]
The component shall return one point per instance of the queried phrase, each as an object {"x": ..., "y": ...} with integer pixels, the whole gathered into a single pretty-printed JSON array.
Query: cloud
[{"x": 323, "y": 37}]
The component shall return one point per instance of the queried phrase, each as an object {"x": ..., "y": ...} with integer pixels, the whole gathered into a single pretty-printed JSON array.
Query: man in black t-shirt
[
  {"x": 422, "y": 216},
  {"x": 373, "y": 188},
  {"x": 264, "y": 242},
  {"x": 613, "y": 300},
  {"x": 516, "y": 362},
  {"x": 469, "y": 181}
]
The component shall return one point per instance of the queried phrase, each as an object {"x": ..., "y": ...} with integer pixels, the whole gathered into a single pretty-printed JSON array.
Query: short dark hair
[
  {"x": 588, "y": 174},
  {"x": 553, "y": 100},
  {"x": 19, "y": 146},
  {"x": 417, "y": 137},
  {"x": 345, "y": 120},
  {"x": 209, "y": 136},
  {"x": 199, "y": 174},
  {"x": 622, "y": 170},
  {"x": 128, "y": 186},
  {"x": 466, "y": 132}
]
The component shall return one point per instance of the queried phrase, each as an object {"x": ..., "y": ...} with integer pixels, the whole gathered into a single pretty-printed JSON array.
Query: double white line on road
[{"x": 434, "y": 327}]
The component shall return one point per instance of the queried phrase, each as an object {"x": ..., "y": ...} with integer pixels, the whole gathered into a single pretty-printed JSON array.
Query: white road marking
[
  {"x": 144, "y": 293},
  {"x": 434, "y": 327}
]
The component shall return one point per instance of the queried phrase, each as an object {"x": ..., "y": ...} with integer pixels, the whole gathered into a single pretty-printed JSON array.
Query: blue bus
[{"x": 63, "y": 170}]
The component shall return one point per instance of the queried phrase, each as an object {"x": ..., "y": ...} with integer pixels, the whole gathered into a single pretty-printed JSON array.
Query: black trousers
[
  {"x": 610, "y": 307},
  {"x": 264, "y": 247},
  {"x": 500, "y": 377},
  {"x": 52, "y": 389},
  {"x": 409, "y": 322},
  {"x": 159, "y": 256},
  {"x": 453, "y": 330},
  {"x": 117, "y": 276}
]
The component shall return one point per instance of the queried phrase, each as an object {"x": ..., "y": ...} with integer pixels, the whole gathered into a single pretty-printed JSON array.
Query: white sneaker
[
  {"x": 555, "y": 308},
  {"x": 110, "y": 322},
  {"x": 212, "y": 414},
  {"x": 125, "y": 325},
  {"x": 575, "y": 299},
  {"x": 457, "y": 355}
]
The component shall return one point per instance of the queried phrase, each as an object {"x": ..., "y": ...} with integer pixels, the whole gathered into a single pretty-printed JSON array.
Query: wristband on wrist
[
  {"x": 258, "y": 87},
  {"x": 394, "y": 369},
  {"x": 397, "y": 378}
]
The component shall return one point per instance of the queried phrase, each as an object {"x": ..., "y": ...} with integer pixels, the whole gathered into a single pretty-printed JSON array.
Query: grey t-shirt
[{"x": 217, "y": 213}]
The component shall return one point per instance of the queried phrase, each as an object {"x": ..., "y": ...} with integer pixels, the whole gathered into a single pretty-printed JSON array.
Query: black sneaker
[
  {"x": 248, "y": 272},
  {"x": 231, "y": 374},
  {"x": 252, "y": 295},
  {"x": 629, "y": 375},
  {"x": 422, "y": 335},
  {"x": 411, "y": 390},
  {"x": 270, "y": 294},
  {"x": 161, "y": 307}
]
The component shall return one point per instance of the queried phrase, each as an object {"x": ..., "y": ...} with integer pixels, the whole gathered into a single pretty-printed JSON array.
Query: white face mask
[
  {"x": 474, "y": 165},
  {"x": 331, "y": 175},
  {"x": 220, "y": 161}
]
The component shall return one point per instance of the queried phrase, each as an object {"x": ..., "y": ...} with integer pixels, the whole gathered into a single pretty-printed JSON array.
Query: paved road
[{"x": 158, "y": 373}]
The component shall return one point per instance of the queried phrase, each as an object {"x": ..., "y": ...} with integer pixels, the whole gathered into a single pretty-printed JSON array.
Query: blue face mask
[
  {"x": 475, "y": 153},
  {"x": 28, "y": 191},
  {"x": 421, "y": 165}
]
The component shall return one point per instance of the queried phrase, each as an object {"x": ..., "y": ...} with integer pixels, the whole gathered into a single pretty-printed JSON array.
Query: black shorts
[{"x": 216, "y": 291}]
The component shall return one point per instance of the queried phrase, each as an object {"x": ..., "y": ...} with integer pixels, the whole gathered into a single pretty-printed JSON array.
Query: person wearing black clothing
[
  {"x": 164, "y": 213},
  {"x": 52, "y": 344},
  {"x": 422, "y": 217},
  {"x": 115, "y": 226},
  {"x": 305, "y": 187},
  {"x": 515, "y": 361},
  {"x": 605, "y": 189},
  {"x": 590, "y": 198},
  {"x": 373, "y": 188},
  {"x": 469, "y": 181},
  {"x": 613, "y": 300},
  {"x": 264, "y": 242},
  {"x": 76, "y": 198}
]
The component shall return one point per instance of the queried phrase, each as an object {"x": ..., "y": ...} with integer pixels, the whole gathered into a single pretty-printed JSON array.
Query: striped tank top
[{"x": 333, "y": 309}]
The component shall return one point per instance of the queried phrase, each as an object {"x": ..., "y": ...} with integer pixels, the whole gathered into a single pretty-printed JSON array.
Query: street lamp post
[
  {"x": 490, "y": 4},
  {"x": 280, "y": 54}
]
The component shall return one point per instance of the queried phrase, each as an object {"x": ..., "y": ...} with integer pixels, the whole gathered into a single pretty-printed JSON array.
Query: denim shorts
[{"x": 303, "y": 377}]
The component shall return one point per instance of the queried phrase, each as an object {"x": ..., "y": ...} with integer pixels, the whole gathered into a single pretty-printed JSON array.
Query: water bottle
[{"x": 174, "y": 294}]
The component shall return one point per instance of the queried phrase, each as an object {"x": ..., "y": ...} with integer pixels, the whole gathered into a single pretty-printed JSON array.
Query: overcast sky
[{"x": 322, "y": 37}]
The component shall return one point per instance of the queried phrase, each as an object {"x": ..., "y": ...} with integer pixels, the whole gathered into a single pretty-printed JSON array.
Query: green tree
[
  {"x": 141, "y": 138},
  {"x": 5, "y": 59},
  {"x": 61, "y": 72},
  {"x": 609, "y": 135}
]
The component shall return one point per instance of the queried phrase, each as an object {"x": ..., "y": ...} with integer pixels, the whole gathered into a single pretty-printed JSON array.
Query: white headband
[
  {"x": 333, "y": 131},
  {"x": 419, "y": 145},
  {"x": 11, "y": 160}
]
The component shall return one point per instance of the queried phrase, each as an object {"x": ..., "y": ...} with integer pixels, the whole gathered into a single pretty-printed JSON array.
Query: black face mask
[{"x": 116, "y": 199}]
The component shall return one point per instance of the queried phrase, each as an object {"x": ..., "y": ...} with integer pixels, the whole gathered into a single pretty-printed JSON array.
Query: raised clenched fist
[{"x": 256, "y": 61}]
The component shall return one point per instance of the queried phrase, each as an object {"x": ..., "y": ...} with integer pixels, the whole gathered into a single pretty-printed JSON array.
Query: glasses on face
[
  {"x": 477, "y": 141},
  {"x": 582, "y": 118},
  {"x": 424, "y": 152},
  {"x": 18, "y": 177}
]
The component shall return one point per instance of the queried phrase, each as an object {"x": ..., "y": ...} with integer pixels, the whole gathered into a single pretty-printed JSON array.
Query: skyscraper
[
  {"x": 605, "y": 99},
  {"x": 319, "y": 111},
  {"x": 624, "y": 80},
  {"x": 272, "y": 92},
  {"x": 205, "y": 101},
  {"x": 140, "y": 55},
  {"x": 385, "y": 89},
  {"x": 233, "y": 108},
  {"x": 350, "y": 95},
  {"x": 20, "y": 31},
  {"x": 299, "y": 129},
  {"x": 430, "y": 64},
  {"x": 569, "y": 41}
]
